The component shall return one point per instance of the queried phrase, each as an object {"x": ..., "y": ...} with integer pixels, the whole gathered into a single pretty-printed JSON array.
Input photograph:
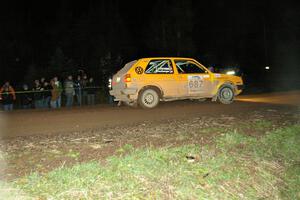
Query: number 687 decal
[{"x": 195, "y": 83}]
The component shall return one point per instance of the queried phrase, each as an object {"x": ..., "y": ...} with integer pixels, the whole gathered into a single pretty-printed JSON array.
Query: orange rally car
[{"x": 147, "y": 81}]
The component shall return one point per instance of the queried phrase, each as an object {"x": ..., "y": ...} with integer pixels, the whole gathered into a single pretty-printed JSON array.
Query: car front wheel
[
  {"x": 148, "y": 98},
  {"x": 226, "y": 95}
]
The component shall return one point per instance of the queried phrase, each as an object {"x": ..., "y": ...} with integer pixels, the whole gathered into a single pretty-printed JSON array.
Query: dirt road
[{"x": 36, "y": 122}]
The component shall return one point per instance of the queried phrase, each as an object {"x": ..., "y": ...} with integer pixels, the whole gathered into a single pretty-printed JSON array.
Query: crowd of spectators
[{"x": 48, "y": 93}]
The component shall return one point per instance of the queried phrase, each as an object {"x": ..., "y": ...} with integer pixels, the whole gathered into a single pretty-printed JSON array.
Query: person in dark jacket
[
  {"x": 46, "y": 94},
  {"x": 91, "y": 91},
  {"x": 69, "y": 91},
  {"x": 83, "y": 82},
  {"x": 38, "y": 94},
  {"x": 26, "y": 97},
  {"x": 7, "y": 96},
  {"x": 77, "y": 87}
]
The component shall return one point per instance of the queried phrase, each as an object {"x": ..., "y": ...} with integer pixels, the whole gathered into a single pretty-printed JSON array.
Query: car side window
[
  {"x": 188, "y": 67},
  {"x": 159, "y": 67}
]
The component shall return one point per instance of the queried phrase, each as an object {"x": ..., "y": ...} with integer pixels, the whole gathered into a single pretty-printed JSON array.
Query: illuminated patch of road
[{"x": 288, "y": 98}]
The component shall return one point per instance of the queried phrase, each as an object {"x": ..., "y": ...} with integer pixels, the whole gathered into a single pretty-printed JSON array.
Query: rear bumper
[
  {"x": 127, "y": 94},
  {"x": 129, "y": 91}
]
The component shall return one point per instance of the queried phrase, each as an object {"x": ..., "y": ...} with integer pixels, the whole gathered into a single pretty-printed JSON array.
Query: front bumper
[{"x": 240, "y": 87}]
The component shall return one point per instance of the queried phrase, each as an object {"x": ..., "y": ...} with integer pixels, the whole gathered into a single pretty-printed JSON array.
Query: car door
[
  {"x": 160, "y": 72},
  {"x": 193, "y": 79}
]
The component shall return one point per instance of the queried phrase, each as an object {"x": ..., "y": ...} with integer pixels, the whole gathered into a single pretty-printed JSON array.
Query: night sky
[{"x": 45, "y": 38}]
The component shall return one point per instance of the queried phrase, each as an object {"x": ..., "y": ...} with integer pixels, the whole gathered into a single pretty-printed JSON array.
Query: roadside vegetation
[{"x": 232, "y": 165}]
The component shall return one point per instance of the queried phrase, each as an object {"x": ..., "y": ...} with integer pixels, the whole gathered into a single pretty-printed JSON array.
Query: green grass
[
  {"x": 236, "y": 166},
  {"x": 262, "y": 124},
  {"x": 8, "y": 191}
]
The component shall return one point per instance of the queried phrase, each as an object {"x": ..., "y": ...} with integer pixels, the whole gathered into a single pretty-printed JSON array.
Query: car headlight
[{"x": 230, "y": 72}]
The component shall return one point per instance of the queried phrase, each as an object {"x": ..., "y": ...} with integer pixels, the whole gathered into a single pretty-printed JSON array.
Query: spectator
[
  {"x": 42, "y": 82},
  {"x": 38, "y": 95},
  {"x": 7, "y": 96},
  {"x": 77, "y": 86},
  {"x": 69, "y": 91},
  {"x": 26, "y": 97},
  {"x": 46, "y": 94},
  {"x": 60, "y": 89},
  {"x": 84, "y": 83},
  {"x": 110, "y": 98},
  {"x": 55, "y": 93},
  {"x": 211, "y": 69},
  {"x": 91, "y": 92}
]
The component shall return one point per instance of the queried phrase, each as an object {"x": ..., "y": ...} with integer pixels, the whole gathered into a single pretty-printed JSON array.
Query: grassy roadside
[{"x": 235, "y": 166}]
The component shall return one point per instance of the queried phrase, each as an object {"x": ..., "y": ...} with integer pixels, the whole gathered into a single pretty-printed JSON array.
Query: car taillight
[{"x": 127, "y": 78}]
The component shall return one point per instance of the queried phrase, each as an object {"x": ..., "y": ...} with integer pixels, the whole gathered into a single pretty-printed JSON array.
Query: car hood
[{"x": 235, "y": 79}]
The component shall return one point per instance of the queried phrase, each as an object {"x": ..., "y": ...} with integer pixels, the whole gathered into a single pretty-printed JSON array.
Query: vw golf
[{"x": 147, "y": 81}]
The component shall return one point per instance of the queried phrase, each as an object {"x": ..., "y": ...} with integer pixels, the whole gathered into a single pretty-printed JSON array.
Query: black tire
[
  {"x": 148, "y": 98},
  {"x": 226, "y": 94}
]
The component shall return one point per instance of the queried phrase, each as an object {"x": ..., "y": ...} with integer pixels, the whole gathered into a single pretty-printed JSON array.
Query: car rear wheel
[
  {"x": 148, "y": 98},
  {"x": 226, "y": 95}
]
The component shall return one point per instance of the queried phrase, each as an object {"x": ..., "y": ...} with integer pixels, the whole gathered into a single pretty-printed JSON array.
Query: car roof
[{"x": 147, "y": 58}]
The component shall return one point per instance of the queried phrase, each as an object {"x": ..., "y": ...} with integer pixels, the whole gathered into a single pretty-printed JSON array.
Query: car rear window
[
  {"x": 127, "y": 67},
  {"x": 159, "y": 67}
]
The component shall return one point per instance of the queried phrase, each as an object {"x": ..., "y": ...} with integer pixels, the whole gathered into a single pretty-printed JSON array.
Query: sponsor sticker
[{"x": 139, "y": 70}]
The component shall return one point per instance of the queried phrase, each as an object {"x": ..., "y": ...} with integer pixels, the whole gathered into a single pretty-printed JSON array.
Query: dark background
[{"x": 47, "y": 38}]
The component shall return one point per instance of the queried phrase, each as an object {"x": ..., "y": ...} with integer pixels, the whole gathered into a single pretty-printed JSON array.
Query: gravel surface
[{"x": 45, "y": 152}]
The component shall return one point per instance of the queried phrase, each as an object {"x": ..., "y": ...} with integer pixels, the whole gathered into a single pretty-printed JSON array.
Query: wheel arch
[
  {"x": 227, "y": 83},
  {"x": 220, "y": 86},
  {"x": 154, "y": 87}
]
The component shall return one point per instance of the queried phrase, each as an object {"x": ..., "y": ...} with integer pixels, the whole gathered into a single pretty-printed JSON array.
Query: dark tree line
[{"x": 43, "y": 38}]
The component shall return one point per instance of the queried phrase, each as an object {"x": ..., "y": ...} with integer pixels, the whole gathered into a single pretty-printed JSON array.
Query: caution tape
[{"x": 42, "y": 91}]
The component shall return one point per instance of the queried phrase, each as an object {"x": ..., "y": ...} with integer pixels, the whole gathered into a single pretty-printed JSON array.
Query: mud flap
[{"x": 215, "y": 97}]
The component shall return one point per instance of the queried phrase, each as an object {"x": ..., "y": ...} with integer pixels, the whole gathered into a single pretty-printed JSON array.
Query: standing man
[
  {"x": 84, "y": 82},
  {"x": 211, "y": 69},
  {"x": 110, "y": 97},
  {"x": 38, "y": 94},
  {"x": 91, "y": 90},
  {"x": 54, "y": 94},
  {"x": 7, "y": 96},
  {"x": 69, "y": 91},
  {"x": 47, "y": 95},
  {"x": 60, "y": 89},
  {"x": 77, "y": 86},
  {"x": 42, "y": 83},
  {"x": 26, "y": 97}
]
